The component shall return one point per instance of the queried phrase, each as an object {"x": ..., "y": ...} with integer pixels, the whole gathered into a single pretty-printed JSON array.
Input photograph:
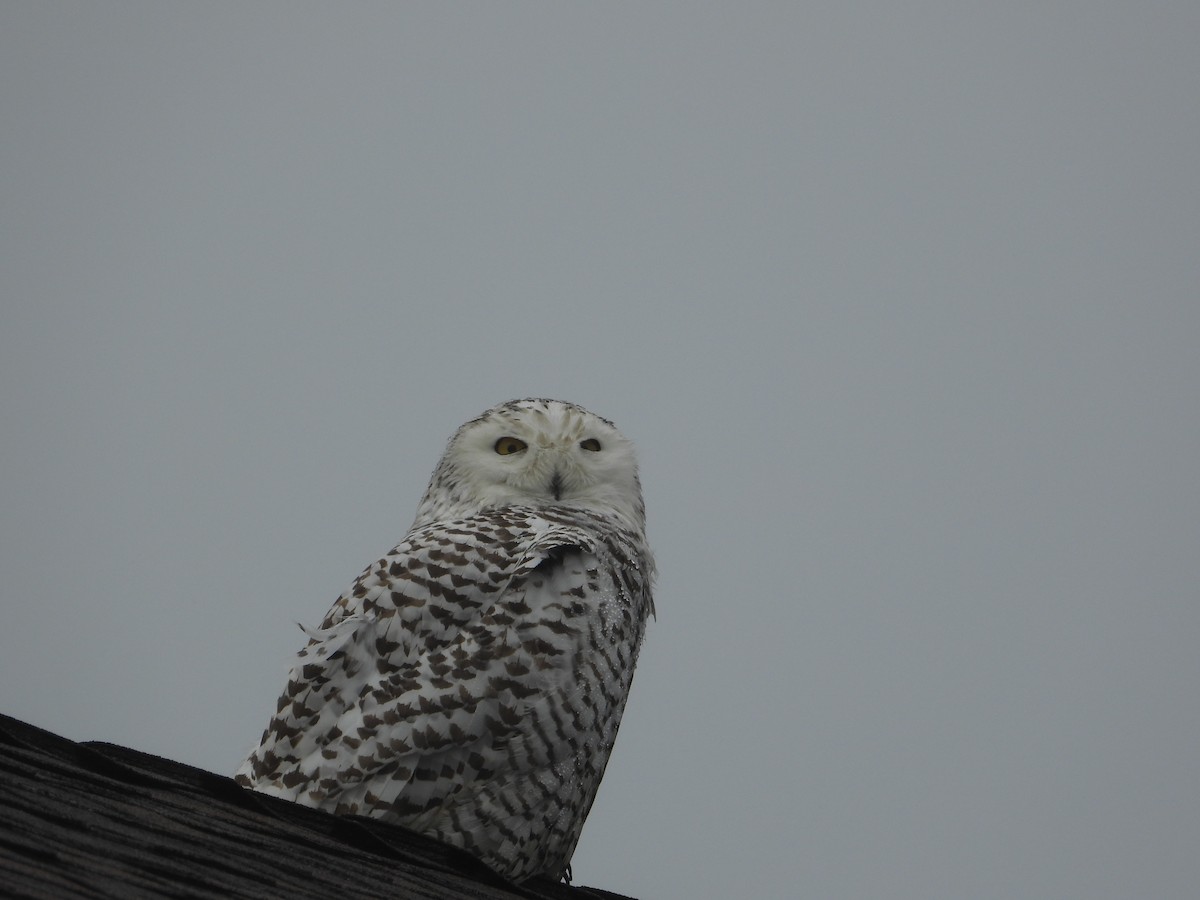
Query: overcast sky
[{"x": 900, "y": 302}]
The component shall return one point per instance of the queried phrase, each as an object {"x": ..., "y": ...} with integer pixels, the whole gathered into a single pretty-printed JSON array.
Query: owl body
[{"x": 470, "y": 683}]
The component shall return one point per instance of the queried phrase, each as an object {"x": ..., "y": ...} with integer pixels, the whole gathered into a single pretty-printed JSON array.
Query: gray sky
[{"x": 900, "y": 302}]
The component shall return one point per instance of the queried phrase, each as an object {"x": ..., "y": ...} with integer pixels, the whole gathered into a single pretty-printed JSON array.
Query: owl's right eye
[{"x": 507, "y": 446}]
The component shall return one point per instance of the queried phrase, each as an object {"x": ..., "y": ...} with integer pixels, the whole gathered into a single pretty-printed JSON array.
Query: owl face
[{"x": 534, "y": 453}]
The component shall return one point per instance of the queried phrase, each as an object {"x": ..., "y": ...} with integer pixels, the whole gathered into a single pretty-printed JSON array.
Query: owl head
[{"x": 535, "y": 453}]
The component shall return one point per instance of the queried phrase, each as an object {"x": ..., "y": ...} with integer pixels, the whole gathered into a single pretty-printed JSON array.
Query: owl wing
[{"x": 476, "y": 661}]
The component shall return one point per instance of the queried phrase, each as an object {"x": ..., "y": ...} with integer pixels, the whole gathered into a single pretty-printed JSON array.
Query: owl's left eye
[
  {"x": 590, "y": 444},
  {"x": 507, "y": 446}
]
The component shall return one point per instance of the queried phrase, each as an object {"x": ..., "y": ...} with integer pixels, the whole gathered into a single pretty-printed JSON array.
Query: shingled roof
[{"x": 98, "y": 820}]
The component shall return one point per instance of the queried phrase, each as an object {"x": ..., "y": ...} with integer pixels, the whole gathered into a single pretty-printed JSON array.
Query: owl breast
[{"x": 470, "y": 684}]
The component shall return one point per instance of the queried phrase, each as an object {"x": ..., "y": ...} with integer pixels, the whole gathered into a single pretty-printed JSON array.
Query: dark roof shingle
[{"x": 98, "y": 820}]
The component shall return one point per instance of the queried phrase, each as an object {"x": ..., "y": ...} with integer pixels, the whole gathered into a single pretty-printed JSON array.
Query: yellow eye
[
  {"x": 590, "y": 444},
  {"x": 507, "y": 446}
]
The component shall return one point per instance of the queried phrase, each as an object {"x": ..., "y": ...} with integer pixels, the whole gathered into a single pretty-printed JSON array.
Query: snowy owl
[{"x": 469, "y": 684}]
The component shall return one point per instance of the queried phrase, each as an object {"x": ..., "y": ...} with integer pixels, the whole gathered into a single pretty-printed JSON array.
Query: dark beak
[{"x": 556, "y": 486}]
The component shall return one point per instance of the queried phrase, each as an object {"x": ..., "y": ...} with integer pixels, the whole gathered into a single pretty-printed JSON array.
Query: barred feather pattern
[{"x": 469, "y": 685}]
